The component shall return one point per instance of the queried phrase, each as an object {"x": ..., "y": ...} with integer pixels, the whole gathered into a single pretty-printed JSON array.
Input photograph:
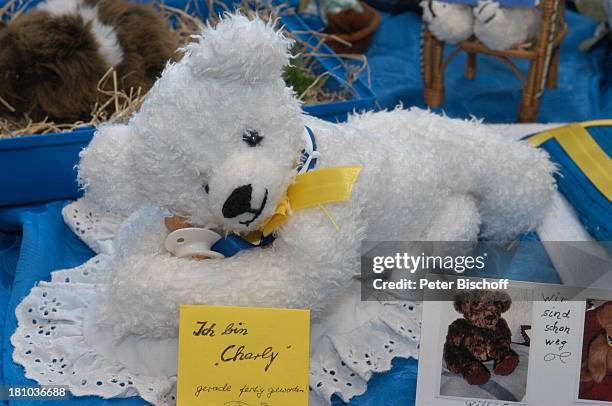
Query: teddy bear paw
[
  {"x": 477, "y": 374},
  {"x": 507, "y": 365}
]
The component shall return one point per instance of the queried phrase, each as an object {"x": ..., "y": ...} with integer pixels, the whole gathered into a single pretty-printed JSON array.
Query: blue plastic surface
[{"x": 41, "y": 168}]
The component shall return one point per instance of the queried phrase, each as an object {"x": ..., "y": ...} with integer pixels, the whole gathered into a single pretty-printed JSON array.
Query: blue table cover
[
  {"x": 34, "y": 240},
  {"x": 584, "y": 89},
  {"x": 592, "y": 208}
]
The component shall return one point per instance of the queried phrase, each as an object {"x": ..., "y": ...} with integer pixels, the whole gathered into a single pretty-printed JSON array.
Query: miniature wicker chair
[{"x": 543, "y": 56}]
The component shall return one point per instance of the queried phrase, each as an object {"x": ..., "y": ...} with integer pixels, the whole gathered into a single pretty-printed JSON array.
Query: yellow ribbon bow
[{"x": 314, "y": 188}]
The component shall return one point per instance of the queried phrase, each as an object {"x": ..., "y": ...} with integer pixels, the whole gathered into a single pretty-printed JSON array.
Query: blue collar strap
[
  {"x": 309, "y": 155},
  {"x": 232, "y": 244}
]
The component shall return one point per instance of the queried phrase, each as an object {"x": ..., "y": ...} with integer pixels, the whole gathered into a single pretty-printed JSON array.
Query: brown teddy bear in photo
[
  {"x": 53, "y": 56},
  {"x": 596, "y": 372},
  {"x": 482, "y": 335}
]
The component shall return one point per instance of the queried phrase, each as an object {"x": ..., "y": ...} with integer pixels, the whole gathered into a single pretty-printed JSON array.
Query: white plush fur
[
  {"x": 496, "y": 27},
  {"x": 504, "y": 28},
  {"x": 106, "y": 36},
  {"x": 448, "y": 22},
  {"x": 424, "y": 177}
]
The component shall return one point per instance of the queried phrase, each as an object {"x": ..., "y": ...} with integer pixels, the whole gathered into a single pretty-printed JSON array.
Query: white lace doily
[{"x": 57, "y": 342}]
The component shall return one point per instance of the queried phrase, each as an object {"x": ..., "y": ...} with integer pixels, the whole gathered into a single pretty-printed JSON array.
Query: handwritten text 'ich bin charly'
[{"x": 236, "y": 353}]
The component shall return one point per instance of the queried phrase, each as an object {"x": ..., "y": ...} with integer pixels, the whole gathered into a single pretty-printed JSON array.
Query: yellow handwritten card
[{"x": 243, "y": 356}]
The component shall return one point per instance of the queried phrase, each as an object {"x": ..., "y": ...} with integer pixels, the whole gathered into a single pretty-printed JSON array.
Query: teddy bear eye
[
  {"x": 252, "y": 138},
  {"x": 18, "y": 76}
]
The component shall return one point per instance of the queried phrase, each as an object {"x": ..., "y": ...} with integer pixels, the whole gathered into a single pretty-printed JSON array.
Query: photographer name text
[{"x": 434, "y": 284}]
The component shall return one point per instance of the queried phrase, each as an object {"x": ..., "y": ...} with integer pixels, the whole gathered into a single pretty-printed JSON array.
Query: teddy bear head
[
  {"x": 482, "y": 308},
  {"x": 449, "y": 22},
  {"x": 217, "y": 139},
  {"x": 604, "y": 317},
  {"x": 443, "y": 10}
]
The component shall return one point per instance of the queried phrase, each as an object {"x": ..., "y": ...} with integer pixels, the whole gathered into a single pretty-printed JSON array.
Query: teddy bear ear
[
  {"x": 240, "y": 49},
  {"x": 461, "y": 299},
  {"x": 105, "y": 169},
  {"x": 503, "y": 301}
]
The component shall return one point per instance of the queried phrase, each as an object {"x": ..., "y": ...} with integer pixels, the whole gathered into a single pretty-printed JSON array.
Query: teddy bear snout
[
  {"x": 238, "y": 202},
  {"x": 484, "y": 318}
]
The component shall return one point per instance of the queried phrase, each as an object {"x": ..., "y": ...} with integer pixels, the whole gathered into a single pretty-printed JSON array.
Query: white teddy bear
[
  {"x": 504, "y": 28},
  {"x": 498, "y": 28},
  {"x": 448, "y": 22},
  {"x": 218, "y": 140}
]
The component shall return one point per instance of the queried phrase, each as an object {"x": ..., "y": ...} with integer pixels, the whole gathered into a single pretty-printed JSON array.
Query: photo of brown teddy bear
[
  {"x": 596, "y": 367},
  {"x": 480, "y": 336},
  {"x": 480, "y": 358}
]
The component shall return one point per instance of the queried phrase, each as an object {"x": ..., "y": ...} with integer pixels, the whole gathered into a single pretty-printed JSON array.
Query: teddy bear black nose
[{"x": 238, "y": 202}]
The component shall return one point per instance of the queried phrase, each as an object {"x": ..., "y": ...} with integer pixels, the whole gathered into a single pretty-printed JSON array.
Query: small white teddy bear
[
  {"x": 448, "y": 22},
  {"x": 498, "y": 28},
  {"x": 217, "y": 141},
  {"x": 504, "y": 28}
]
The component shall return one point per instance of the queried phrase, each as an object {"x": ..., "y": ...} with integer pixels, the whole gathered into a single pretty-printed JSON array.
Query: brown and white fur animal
[{"x": 52, "y": 57}]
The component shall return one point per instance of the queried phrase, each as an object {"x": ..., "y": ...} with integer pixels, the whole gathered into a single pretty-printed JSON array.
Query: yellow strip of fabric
[
  {"x": 584, "y": 151},
  {"x": 542, "y": 137},
  {"x": 588, "y": 156},
  {"x": 314, "y": 188},
  {"x": 596, "y": 123}
]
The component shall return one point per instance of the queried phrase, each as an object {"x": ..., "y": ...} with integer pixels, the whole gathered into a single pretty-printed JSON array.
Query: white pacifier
[{"x": 193, "y": 241}]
